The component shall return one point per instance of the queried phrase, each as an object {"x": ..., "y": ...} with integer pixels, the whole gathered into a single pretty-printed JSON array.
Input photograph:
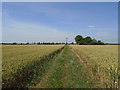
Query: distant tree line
[
  {"x": 38, "y": 43},
  {"x": 87, "y": 41}
]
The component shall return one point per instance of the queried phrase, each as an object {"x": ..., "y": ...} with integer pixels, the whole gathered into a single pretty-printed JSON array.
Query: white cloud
[
  {"x": 23, "y": 32},
  {"x": 91, "y": 26}
]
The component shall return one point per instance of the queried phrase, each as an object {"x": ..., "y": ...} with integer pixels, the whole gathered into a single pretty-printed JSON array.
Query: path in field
[{"x": 66, "y": 71}]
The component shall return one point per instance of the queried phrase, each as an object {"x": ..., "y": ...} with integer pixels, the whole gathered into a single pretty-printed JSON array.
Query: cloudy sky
[{"x": 54, "y": 21}]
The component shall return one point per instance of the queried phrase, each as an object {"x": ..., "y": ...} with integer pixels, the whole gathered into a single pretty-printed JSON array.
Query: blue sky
[{"x": 53, "y": 22}]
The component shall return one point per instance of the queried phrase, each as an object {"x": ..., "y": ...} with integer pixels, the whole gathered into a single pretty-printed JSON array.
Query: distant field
[
  {"x": 103, "y": 59},
  {"x": 18, "y": 56}
]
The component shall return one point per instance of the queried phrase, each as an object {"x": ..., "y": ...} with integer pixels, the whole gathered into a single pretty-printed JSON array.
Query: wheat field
[{"x": 16, "y": 57}]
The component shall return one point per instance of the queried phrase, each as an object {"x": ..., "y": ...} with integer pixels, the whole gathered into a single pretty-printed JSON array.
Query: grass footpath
[{"x": 66, "y": 71}]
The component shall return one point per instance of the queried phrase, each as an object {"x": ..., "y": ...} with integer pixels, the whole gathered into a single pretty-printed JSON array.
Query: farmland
[
  {"x": 103, "y": 61},
  {"x": 76, "y": 66},
  {"x": 18, "y": 56}
]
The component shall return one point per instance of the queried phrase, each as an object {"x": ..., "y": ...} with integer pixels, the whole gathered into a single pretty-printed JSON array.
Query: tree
[
  {"x": 87, "y": 40},
  {"x": 78, "y": 38},
  {"x": 52, "y": 42},
  {"x": 100, "y": 43},
  {"x": 94, "y": 42},
  {"x": 14, "y": 43},
  {"x": 72, "y": 43},
  {"x": 27, "y": 43},
  {"x": 38, "y": 43}
]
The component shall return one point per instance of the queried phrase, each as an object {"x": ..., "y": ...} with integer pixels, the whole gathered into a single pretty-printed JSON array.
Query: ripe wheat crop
[
  {"x": 103, "y": 59},
  {"x": 16, "y": 57}
]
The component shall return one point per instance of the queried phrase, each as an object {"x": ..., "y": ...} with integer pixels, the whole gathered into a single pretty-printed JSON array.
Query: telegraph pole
[{"x": 66, "y": 40}]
